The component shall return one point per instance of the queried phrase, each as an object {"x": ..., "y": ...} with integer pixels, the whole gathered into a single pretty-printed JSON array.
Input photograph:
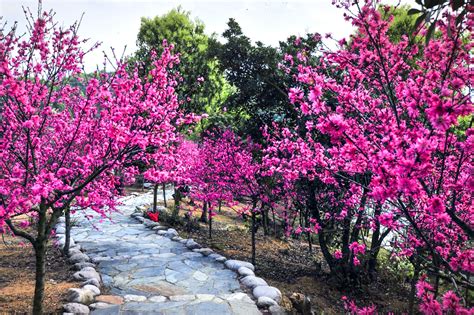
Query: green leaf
[{"x": 413, "y": 11}]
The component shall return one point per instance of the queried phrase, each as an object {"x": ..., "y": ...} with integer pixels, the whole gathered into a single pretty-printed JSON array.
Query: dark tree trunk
[
  {"x": 374, "y": 248},
  {"x": 204, "y": 213},
  {"x": 313, "y": 207},
  {"x": 177, "y": 202},
  {"x": 210, "y": 223},
  {"x": 220, "y": 206},
  {"x": 253, "y": 236},
  {"x": 414, "y": 280},
  {"x": 67, "y": 214},
  {"x": 274, "y": 223},
  {"x": 155, "y": 197},
  {"x": 164, "y": 195},
  {"x": 40, "y": 255}
]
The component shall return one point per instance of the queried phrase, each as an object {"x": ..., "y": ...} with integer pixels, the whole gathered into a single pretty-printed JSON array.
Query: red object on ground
[{"x": 153, "y": 216}]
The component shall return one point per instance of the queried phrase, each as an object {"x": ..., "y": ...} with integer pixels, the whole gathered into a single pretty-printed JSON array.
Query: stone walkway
[{"x": 154, "y": 274}]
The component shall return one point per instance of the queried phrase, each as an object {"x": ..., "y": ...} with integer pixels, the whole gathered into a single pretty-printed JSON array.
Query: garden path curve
[{"x": 152, "y": 273}]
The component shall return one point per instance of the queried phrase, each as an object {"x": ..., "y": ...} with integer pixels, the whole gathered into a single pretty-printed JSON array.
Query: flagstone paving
[{"x": 152, "y": 273}]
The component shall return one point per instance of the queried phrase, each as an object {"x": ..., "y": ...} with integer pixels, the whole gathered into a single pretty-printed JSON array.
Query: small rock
[
  {"x": 270, "y": 292},
  {"x": 252, "y": 282},
  {"x": 161, "y": 232},
  {"x": 176, "y": 238},
  {"x": 79, "y": 257},
  {"x": 76, "y": 308},
  {"x": 277, "y": 310},
  {"x": 180, "y": 298},
  {"x": 81, "y": 296},
  {"x": 158, "y": 299},
  {"x": 93, "y": 282},
  {"x": 99, "y": 305},
  {"x": 203, "y": 251},
  {"x": 236, "y": 264},
  {"x": 86, "y": 275},
  {"x": 111, "y": 299},
  {"x": 264, "y": 301},
  {"x": 73, "y": 252},
  {"x": 134, "y": 298},
  {"x": 95, "y": 290},
  {"x": 184, "y": 240},
  {"x": 171, "y": 233},
  {"x": 82, "y": 265},
  {"x": 244, "y": 271},
  {"x": 191, "y": 244},
  {"x": 76, "y": 246},
  {"x": 221, "y": 259},
  {"x": 98, "y": 259}
]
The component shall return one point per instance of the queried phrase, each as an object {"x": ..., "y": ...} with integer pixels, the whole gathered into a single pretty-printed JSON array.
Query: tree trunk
[
  {"x": 40, "y": 255},
  {"x": 411, "y": 301},
  {"x": 274, "y": 223},
  {"x": 204, "y": 213},
  {"x": 155, "y": 197},
  {"x": 177, "y": 202},
  {"x": 164, "y": 195},
  {"x": 253, "y": 232},
  {"x": 374, "y": 248},
  {"x": 220, "y": 206},
  {"x": 210, "y": 222},
  {"x": 67, "y": 214}
]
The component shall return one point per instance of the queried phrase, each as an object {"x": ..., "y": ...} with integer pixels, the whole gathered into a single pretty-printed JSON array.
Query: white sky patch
[{"x": 115, "y": 23}]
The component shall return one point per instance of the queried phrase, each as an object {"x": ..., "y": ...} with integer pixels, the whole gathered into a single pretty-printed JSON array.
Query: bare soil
[{"x": 17, "y": 277}]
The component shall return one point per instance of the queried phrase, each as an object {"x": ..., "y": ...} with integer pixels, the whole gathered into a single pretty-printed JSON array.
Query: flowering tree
[
  {"x": 173, "y": 165},
  {"x": 380, "y": 124},
  {"x": 229, "y": 172},
  {"x": 66, "y": 135}
]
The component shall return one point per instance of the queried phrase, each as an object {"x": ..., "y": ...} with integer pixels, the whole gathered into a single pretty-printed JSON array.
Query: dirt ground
[
  {"x": 290, "y": 266},
  {"x": 17, "y": 282}
]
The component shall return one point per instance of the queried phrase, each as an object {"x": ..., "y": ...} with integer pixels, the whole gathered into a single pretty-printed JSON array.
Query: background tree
[{"x": 201, "y": 82}]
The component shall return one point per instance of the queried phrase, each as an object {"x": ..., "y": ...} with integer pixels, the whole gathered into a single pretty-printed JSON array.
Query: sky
[{"x": 115, "y": 23}]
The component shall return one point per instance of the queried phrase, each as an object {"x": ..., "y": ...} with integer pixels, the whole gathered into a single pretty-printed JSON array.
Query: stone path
[{"x": 154, "y": 274}]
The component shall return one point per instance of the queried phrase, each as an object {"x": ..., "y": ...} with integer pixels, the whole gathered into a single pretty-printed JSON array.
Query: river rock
[
  {"x": 252, "y": 282},
  {"x": 82, "y": 296},
  {"x": 79, "y": 257},
  {"x": 267, "y": 291},
  {"x": 86, "y": 275},
  {"x": 264, "y": 301},
  {"x": 171, "y": 233},
  {"x": 236, "y": 264},
  {"x": 76, "y": 308},
  {"x": 244, "y": 272},
  {"x": 92, "y": 281},
  {"x": 95, "y": 290},
  {"x": 191, "y": 244},
  {"x": 82, "y": 265}
]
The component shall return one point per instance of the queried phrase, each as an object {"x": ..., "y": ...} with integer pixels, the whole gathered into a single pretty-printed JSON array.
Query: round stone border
[
  {"x": 79, "y": 299},
  {"x": 267, "y": 297}
]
